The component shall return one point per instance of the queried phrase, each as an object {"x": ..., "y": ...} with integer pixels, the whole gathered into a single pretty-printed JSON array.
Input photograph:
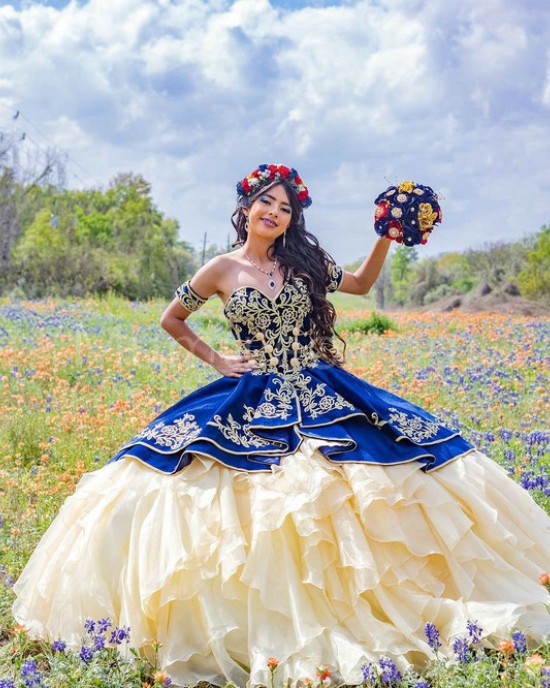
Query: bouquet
[{"x": 407, "y": 213}]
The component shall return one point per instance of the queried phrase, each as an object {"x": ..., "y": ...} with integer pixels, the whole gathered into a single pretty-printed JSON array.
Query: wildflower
[
  {"x": 474, "y": 631},
  {"x": 6, "y": 683},
  {"x": 369, "y": 675},
  {"x": 422, "y": 684},
  {"x": 308, "y": 682},
  {"x": 323, "y": 672},
  {"x": 59, "y": 645},
  {"x": 461, "y": 650},
  {"x": 4, "y": 575},
  {"x": 103, "y": 625},
  {"x": 18, "y": 630},
  {"x": 544, "y": 579},
  {"x": 506, "y": 647},
  {"x": 272, "y": 663},
  {"x": 89, "y": 626},
  {"x": 120, "y": 634},
  {"x": 534, "y": 662},
  {"x": 390, "y": 673},
  {"x": 99, "y": 642},
  {"x": 545, "y": 675},
  {"x": 86, "y": 654},
  {"x": 432, "y": 634},
  {"x": 162, "y": 677},
  {"x": 520, "y": 643},
  {"x": 30, "y": 674}
]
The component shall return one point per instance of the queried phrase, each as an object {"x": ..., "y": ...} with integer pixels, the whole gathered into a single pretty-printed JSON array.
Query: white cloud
[{"x": 194, "y": 94}]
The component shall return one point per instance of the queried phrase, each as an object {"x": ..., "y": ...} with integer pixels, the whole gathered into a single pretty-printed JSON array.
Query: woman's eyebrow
[{"x": 274, "y": 199}]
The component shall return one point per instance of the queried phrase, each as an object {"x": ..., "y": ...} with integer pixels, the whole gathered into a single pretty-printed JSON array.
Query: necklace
[{"x": 270, "y": 274}]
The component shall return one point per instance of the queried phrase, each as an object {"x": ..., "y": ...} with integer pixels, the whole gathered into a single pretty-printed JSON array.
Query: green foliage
[
  {"x": 376, "y": 323},
  {"x": 534, "y": 279},
  {"x": 81, "y": 242},
  {"x": 401, "y": 271},
  {"x": 496, "y": 263}
]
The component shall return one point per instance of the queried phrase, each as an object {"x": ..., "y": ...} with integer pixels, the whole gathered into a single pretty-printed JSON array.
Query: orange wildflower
[
  {"x": 506, "y": 647},
  {"x": 272, "y": 663},
  {"x": 323, "y": 672}
]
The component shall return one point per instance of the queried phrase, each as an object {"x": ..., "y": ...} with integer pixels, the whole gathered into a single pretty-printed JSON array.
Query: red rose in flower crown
[
  {"x": 407, "y": 213},
  {"x": 266, "y": 174}
]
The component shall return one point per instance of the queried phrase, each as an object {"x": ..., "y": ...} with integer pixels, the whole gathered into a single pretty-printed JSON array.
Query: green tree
[
  {"x": 496, "y": 263},
  {"x": 93, "y": 241},
  {"x": 402, "y": 274},
  {"x": 534, "y": 279}
]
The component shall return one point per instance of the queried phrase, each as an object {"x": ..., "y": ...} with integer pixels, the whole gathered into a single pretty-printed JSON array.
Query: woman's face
[{"x": 270, "y": 214}]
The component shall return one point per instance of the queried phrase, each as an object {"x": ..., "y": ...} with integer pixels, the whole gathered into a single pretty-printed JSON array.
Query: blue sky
[{"x": 357, "y": 95}]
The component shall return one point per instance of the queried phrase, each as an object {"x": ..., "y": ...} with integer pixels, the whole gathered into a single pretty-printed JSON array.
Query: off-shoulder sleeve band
[
  {"x": 189, "y": 298},
  {"x": 335, "y": 274}
]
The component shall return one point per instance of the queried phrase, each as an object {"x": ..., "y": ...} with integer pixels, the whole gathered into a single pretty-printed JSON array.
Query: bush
[{"x": 376, "y": 323}]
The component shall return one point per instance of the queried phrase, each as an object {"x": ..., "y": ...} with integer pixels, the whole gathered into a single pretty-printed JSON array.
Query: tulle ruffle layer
[
  {"x": 251, "y": 423},
  {"x": 311, "y": 563}
]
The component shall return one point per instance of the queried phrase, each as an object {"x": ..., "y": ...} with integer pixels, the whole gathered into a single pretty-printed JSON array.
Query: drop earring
[
  {"x": 246, "y": 225},
  {"x": 284, "y": 239}
]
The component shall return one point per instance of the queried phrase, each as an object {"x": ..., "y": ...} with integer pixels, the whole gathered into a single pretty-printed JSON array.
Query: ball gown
[{"x": 296, "y": 512}]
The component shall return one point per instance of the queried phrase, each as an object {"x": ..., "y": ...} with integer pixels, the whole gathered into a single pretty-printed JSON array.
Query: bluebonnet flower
[
  {"x": 432, "y": 634},
  {"x": 89, "y": 626},
  {"x": 390, "y": 673},
  {"x": 520, "y": 643},
  {"x": 86, "y": 654},
  {"x": 103, "y": 625},
  {"x": 59, "y": 645},
  {"x": 461, "y": 650},
  {"x": 545, "y": 676},
  {"x": 4, "y": 575},
  {"x": 99, "y": 642},
  {"x": 119, "y": 634},
  {"x": 369, "y": 675},
  {"x": 422, "y": 684},
  {"x": 6, "y": 683},
  {"x": 474, "y": 631},
  {"x": 30, "y": 674}
]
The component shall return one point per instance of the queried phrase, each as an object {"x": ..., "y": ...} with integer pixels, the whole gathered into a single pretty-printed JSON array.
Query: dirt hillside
[{"x": 487, "y": 300}]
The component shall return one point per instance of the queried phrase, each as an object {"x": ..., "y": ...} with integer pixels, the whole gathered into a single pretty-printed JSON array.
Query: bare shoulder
[{"x": 213, "y": 276}]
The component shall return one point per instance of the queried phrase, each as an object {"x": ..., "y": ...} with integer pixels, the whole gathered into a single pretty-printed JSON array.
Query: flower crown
[
  {"x": 265, "y": 174},
  {"x": 407, "y": 213}
]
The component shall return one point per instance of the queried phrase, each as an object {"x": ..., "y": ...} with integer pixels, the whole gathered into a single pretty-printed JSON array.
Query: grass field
[{"x": 78, "y": 378}]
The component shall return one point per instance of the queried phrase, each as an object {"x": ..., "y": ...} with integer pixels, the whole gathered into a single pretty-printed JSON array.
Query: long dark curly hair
[{"x": 303, "y": 257}]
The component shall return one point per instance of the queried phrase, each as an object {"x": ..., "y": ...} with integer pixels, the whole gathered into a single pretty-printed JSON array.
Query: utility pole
[{"x": 203, "y": 249}]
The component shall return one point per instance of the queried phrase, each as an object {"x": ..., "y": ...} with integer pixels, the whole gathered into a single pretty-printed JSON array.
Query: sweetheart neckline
[{"x": 246, "y": 286}]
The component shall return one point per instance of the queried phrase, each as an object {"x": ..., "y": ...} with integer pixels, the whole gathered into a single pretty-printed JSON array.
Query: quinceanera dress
[{"x": 295, "y": 512}]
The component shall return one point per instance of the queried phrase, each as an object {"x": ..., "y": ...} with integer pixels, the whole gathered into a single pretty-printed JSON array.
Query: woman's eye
[
  {"x": 286, "y": 210},
  {"x": 263, "y": 199}
]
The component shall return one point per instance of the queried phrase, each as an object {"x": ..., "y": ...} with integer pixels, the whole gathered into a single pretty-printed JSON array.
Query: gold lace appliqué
[
  {"x": 175, "y": 435},
  {"x": 413, "y": 427},
  {"x": 189, "y": 298},
  {"x": 278, "y": 330},
  {"x": 239, "y": 433},
  {"x": 335, "y": 276}
]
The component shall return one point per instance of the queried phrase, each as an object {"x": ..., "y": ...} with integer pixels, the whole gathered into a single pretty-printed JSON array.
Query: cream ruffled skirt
[{"x": 314, "y": 563}]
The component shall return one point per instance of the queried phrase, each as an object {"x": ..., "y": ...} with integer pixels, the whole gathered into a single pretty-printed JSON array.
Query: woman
[{"x": 288, "y": 508}]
